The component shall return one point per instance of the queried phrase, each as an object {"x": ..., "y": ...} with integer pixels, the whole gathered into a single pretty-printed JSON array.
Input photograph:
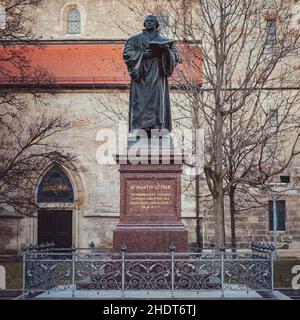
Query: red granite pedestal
[{"x": 150, "y": 206}]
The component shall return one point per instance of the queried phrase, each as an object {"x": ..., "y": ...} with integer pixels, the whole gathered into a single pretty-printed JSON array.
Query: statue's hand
[
  {"x": 148, "y": 53},
  {"x": 164, "y": 47}
]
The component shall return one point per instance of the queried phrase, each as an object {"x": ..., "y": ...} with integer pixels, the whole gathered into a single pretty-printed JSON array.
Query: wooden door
[{"x": 56, "y": 226}]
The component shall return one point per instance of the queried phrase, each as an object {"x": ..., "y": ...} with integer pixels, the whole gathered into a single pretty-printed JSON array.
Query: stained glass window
[
  {"x": 74, "y": 21},
  {"x": 55, "y": 187}
]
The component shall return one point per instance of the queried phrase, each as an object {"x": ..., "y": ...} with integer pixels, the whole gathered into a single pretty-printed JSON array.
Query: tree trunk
[
  {"x": 199, "y": 241},
  {"x": 218, "y": 183},
  {"x": 232, "y": 217},
  {"x": 219, "y": 216},
  {"x": 232, "y": 188}
]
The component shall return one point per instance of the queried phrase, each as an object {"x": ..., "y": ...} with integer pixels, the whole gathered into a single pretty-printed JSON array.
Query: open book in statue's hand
[{"x": 159, "y": 46}]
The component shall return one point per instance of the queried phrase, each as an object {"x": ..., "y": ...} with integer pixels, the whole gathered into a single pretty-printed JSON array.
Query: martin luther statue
[{"x": 150, "y": 59}]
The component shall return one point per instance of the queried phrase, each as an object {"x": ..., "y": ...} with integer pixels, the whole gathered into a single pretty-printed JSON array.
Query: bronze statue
[{"x": 150, "y": 59}]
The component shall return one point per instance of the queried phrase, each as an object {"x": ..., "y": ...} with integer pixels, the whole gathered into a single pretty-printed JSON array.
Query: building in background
[{"x": 81, "y": 45}]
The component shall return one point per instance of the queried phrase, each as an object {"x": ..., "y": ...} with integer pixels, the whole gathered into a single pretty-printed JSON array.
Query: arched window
[
  {"x": 55, "y": 187},
  {"x": 74, "y": 22},
  {"x": 164, "y": 22}
]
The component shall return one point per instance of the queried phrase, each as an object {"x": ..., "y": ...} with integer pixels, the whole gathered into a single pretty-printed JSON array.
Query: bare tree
[
  {"x": 248, "y": 52},
  {"x": 246, "y": 69},
  {"x": 26, "y": 132},
  {"x": 25, "y": 152}
]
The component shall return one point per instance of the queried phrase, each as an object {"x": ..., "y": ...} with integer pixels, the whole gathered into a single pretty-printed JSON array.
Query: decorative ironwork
[
  {"x": 248, "y": 272},
  {"x": 44, "y": 246},
  {"x": 98, "y": 275},
  {"x": 262, "y": 246},
  {"x": 92, "y": 245},
  {"x": 45, "y": 274},
  {"x": 92, "y": 270},
  {"x": 147, "y": 275},
  {"x": 201, "y": 274}
]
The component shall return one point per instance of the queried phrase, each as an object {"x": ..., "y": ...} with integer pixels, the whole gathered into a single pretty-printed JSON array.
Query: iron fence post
[
  {"x": 123, "y": 250},
  {"x": 172, "y": 279},
  {"x": 248, "y": 278},
  {"x": 212, "y": 246},
  {"x": 222, "y": 270},
  {"x": 274, "y": 226},
  {"x": 172, "y": 248},
  {"x": 73, "y": 273},
  {"x": 272, "y": 272},
  {"x": 23, "y": 275}
]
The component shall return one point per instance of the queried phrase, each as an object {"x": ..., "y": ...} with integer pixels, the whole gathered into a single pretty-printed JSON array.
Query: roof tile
[{"x": 91, "y": 64}]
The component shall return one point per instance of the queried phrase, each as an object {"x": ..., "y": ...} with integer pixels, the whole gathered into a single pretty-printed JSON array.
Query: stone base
[
  {"x": 150, "y": 238},
  {"x": 150, "y": 201}
]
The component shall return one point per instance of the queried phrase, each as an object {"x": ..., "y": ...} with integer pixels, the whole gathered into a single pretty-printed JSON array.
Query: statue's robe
[{"x": 149, "y": 105}]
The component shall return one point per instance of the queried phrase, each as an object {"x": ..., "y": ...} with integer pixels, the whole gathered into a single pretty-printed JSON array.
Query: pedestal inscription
[
  {"x": 147, "y": 197},
  {"x": 152, "y": 197},
  {"x": 150, "y": 208}
]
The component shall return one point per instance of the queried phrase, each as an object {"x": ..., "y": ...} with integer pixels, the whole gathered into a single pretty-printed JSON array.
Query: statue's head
[{"x": 151, "y": 23}]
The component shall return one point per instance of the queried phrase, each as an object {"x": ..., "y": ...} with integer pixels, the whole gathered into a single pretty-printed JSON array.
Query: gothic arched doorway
[{"x": 55, "y": 192}]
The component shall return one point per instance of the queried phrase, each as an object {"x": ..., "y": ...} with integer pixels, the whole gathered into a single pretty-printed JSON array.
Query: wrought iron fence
[{"x": 86, "y": 269}]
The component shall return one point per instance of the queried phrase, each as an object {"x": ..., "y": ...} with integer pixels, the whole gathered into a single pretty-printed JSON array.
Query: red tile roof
[{"x": 82, "y": 64}]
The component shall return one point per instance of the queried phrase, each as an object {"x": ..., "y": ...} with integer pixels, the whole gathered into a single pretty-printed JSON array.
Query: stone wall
[
  {"x": 96, "y": 209},
  {"x": 96, "y": 185},
  {"x": 253, "y": 224},
  {"x": 10, "y": 234},
  {"x": 100, "y": 19}
]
